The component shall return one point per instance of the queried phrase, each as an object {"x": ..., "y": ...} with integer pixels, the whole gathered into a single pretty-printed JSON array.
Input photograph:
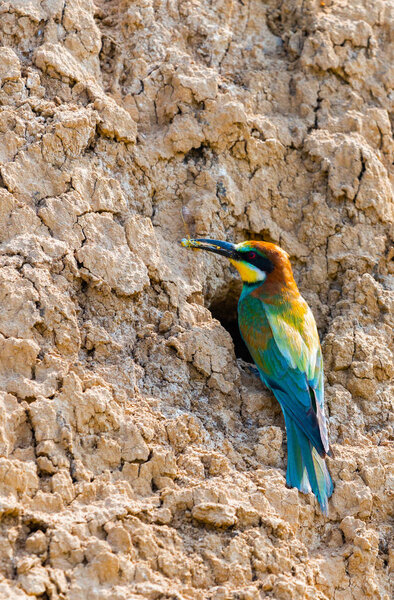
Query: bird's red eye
[{"x": 251, "y": 255}]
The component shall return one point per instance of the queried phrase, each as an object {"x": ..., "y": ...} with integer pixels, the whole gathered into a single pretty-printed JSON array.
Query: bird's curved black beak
[{"x": 217, "y": 246}]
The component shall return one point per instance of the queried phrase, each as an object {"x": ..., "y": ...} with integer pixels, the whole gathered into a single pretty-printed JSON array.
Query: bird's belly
[{"x": 253, "y": 325}]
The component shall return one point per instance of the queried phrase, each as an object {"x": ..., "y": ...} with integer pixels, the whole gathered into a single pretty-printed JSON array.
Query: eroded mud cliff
[{"x": 140, "y": 457}]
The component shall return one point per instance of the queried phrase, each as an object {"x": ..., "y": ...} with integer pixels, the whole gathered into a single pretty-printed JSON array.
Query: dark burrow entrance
[{"x": 224, "y": 309}]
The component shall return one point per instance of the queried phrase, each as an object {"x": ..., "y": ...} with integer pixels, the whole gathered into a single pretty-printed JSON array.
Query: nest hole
[{"x": 224, "y": 309}]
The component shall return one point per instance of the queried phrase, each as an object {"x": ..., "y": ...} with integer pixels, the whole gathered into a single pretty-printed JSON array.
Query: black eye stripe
[{"x": 261, "y": 262}]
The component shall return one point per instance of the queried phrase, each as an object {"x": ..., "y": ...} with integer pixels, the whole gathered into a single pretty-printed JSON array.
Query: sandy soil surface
[{"x": 140, "y": 457}]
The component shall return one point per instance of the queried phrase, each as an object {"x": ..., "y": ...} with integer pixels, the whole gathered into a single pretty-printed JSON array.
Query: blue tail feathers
[{"x": 306, "y": 470}]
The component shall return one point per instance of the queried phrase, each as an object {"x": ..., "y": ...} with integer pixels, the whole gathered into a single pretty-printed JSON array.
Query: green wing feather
[
  {"x": 284, "y": 344},
  {"x": 295, "y": 336}
]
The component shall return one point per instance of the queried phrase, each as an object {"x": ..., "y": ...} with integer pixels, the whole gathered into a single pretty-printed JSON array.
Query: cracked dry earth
[{"x": 140, "y": 455}]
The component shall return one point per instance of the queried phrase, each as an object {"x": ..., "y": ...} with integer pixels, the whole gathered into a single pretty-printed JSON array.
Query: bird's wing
[
  {"x": 291, "y": 365},
  {"x": 296, "y": 335}
]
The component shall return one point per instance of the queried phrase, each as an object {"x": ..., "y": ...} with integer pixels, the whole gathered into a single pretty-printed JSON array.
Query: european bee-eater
[{"x": 280, "y": 332}]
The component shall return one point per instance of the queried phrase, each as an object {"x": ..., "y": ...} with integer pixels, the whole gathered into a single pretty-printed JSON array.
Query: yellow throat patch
[{"x": 249, "y": 273}]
